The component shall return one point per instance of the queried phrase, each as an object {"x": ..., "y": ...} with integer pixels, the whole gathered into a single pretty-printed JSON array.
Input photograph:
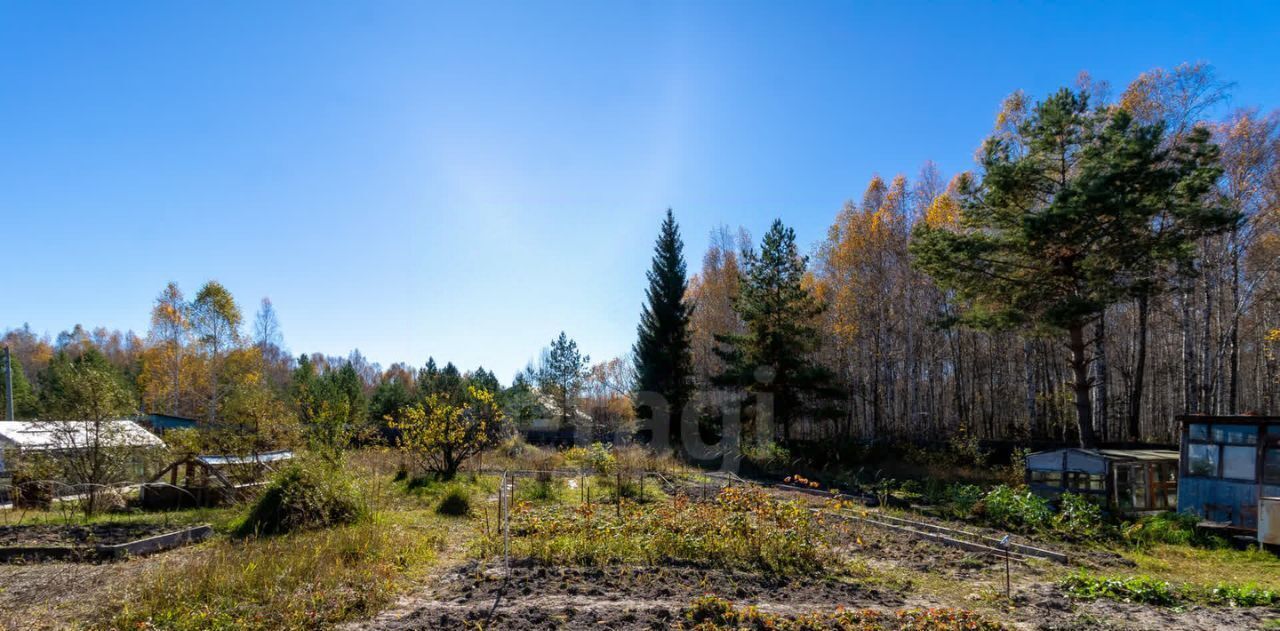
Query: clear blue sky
[{"x": 466, "y": 180}]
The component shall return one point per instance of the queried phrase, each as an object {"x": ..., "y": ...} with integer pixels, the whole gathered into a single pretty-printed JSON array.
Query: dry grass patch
[
  {"x": 740, "y": 529},
  {"x": 300, "y": 581}
]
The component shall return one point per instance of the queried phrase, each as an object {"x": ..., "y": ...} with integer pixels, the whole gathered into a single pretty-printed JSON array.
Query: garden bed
[{"x": 46, "y": 542}]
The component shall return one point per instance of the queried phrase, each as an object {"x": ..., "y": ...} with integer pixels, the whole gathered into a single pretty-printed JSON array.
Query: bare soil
[
  {"x": 615, "y": 597},
  {"x": 637, "y": 598}
]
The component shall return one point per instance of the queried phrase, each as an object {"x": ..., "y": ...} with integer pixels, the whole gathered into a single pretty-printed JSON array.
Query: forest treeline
[
  {"x": 1108, "y": 264},
  {"x": 1197, "y": 334},
  {"x": 202, "y": 360}
]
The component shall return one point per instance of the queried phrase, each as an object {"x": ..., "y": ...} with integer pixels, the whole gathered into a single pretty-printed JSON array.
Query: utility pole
[{"x": 8, "y": 385}]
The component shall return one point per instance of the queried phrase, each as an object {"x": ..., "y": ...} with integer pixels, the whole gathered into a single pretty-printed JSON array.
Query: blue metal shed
[
  {"x": 165, "y": 422},
  {"x": 1228, "y": 463}
]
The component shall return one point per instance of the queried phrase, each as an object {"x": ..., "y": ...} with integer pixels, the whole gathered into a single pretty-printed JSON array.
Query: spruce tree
[
  {"x": 664, "y": 362},
  {"x": 561, "y": 372},
  {"x": 775, "y": 355}
]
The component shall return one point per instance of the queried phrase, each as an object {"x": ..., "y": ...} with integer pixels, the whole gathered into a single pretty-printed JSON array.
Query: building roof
[
  {"x": 1120, "y": 454},
  {"x": 1136, "y": 454},
  {"x": 71, "y": 434},
  {"x": 270, "y": 456}
]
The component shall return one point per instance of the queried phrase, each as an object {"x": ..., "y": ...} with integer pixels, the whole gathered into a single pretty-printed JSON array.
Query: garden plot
[
  {"x": 770, "y": 559},
  {"x": 100, "y": 541},
  {"x": 538, "y": 596}
]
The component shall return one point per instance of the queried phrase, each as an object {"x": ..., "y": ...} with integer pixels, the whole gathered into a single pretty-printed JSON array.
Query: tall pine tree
[
  {"x": 664, "y": 362},
  {"x": 1076, "y": 210},
  {"x": 775, "y": 355}
]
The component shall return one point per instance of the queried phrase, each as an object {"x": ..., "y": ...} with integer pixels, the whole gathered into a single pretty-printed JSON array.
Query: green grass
[
  {"x": 1187, "y": 564},
  {"x": 431, "y": 488},
  {"x": 605, "y": 489},
  {"x": 551, "y": 490}
]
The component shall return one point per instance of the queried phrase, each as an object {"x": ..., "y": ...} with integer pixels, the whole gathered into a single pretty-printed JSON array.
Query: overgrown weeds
[
  {"x": 1169, "y": 528},
  {"x": 1246, "y": 595},
  {"x": 1133, "y": 589},
  {"x": 740, "y": 529},
  {"x": 1147, "y": 590},
  {"x": 711, "y": 613}
]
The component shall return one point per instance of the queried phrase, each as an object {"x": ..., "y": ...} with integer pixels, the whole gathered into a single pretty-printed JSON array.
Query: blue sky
[{"x": 466, "y": 180}]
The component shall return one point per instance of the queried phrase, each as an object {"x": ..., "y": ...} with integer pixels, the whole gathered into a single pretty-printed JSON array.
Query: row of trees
[
  {"x": 250, "y": 395},
  {"x": 1108, "y": 265}
]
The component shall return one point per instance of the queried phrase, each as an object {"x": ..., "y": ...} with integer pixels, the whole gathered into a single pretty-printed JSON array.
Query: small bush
[
  {"x": 1135, "y": 589},
  {"x": 455, "y": 501},
  {"x": 600, "y": 458},
  {"x": 305, "y": 495},
  {"x": 1078, "y": 517},
  {"x": 964, "y": 498},
  {"x": 1014, "y": 509},
  {"x": 769, "y": 455}
]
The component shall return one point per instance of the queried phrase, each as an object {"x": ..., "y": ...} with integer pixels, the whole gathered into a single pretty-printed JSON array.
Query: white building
[{"x": 38, "y": 436}]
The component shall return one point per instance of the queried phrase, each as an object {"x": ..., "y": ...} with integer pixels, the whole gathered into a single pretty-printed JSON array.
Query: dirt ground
[
  {"x": 617, "y": 597},
  {"x": 62, "y": 595},
  {"x": 887, "y": 571}
]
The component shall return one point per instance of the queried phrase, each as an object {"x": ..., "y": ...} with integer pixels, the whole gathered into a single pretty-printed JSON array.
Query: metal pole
[
  {"x": 1003, "y": 544},
  {"x": 8, "y": 384},
  {"x": 1008, "y": 593}
]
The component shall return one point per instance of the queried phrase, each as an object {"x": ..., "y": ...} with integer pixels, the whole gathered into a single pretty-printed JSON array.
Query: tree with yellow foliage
[{"x": 440, "y": 434}]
